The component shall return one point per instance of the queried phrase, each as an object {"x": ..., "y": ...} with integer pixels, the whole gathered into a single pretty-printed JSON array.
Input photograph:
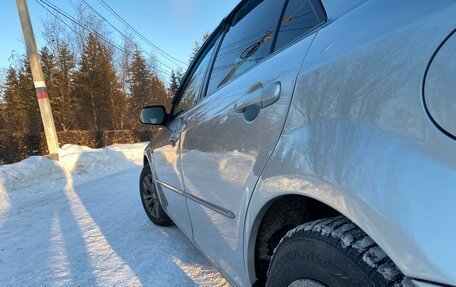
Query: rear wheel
[
  {"x": 330, "y": 253},
  {"x": 150, "y": 200}
]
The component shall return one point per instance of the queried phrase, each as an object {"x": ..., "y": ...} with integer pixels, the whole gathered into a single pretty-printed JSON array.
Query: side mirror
[{"x": 153, "y": 115}]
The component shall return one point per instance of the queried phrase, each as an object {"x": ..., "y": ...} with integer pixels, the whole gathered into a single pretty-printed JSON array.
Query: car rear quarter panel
[{"x": 357, "y": 137}]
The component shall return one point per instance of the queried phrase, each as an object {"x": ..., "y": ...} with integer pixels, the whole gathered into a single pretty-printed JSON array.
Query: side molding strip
[
  {"x": 209, "y": 205},
  {"x": 218, "y": 209},
  {"x": 176, "y": 190}
]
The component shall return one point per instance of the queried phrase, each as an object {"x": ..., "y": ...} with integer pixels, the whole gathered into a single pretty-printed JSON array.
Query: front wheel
[
  {"x": 150, "y": 200},
  {"x": 331, "y": 253}
]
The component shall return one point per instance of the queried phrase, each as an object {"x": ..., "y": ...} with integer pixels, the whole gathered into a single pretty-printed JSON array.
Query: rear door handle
[
  {"x": 174, "y": 137},
  {"x": 271, "y": 94},
  {"x": 259, "y": 96},
  {"x": 175, "y": 134},
  {"x": 252, "y": 98}
]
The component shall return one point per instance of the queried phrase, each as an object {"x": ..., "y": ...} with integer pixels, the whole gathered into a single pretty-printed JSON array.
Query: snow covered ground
[{"x": 80, "y": 222}]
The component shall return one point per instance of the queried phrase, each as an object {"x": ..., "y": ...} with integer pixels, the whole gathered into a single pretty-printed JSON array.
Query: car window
[
  {"x": 248, "y": 40},
  {"x": 189, "y": 94},
  {"x": 300, "y": 17}
]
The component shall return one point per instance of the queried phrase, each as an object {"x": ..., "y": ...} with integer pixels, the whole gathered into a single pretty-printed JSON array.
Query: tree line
[{"x": 91, "y": 85}]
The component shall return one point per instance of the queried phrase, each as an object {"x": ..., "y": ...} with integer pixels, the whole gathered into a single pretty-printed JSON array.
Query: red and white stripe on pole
[{"x": 41, "y": 92}]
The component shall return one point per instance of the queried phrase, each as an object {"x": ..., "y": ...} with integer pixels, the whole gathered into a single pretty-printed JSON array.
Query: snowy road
[{"x": 93, "y": 233}]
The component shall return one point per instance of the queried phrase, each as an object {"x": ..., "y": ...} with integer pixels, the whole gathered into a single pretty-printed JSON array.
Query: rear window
[
  {"x": 191, "y": 90},
  {"x": 248, "y": 41},
  {"x": 300, "y": 17}
]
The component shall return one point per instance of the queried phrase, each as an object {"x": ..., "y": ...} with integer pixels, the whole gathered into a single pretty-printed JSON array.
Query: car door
[
  {"x": 230, "y": 135},
  {"x": 167, "y": 145}
]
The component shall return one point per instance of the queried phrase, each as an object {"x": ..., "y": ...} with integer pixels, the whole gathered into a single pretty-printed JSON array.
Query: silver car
[{"x": 312, "y": 143}]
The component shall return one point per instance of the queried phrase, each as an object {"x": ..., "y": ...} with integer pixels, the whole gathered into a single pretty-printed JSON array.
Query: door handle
[
  {"x": 174, "y": 137},
  {"x": 259, "y": 96},
  {"x": 271, "y": 94},
  {"x": 175, "y": 134},
  {"x": 252, "y": 98}
]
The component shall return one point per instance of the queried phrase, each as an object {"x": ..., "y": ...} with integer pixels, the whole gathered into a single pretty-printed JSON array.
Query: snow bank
[
  {"x": 81, "y": 159},
  {"x": 75, "y": 226},
  {"x": 78, "y": 161}
]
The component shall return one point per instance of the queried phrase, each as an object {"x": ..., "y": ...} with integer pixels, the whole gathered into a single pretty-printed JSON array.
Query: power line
[
  {"x": 96, "y": 34},
  {"x": 101, "y": 16},
  {"x": 66, "y": 15},
  {"x": 42, "y": 3},
  {"x": 123, "y": 34},
  {"x": 59, "y": 11},
  {"x": 171, "y": 58}
]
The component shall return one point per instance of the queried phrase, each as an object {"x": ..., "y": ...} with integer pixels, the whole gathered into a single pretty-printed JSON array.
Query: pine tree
[
  {"x": 61, "y": 86},
  {"x": 197, "y": 47},
  {"x": 158, "y": 92},
  {"x": 96, "y": 87},
  {"x": 49, "y": 67},
  {"x": 2, "y": 114},
  {"x": 85, "y": 85},
  {"x": 138, "y": 85},
  {"x": 144, "y": 86},
  {"x": 123, "y": 108},
  {"x": 174, "y": 83},
  {"x": 50, "y": 70},
  {"x": 21, "y": 111},
  {"x": 2, "y": 102},
  {"x": 13, "y": 114},
  {"x": 27, "y": 98}
]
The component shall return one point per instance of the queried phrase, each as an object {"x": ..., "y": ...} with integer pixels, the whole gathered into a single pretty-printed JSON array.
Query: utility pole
[{"x": 38, "y": 80}]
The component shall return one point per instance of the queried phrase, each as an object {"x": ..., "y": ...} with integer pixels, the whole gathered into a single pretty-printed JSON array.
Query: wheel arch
[
  {"x": 147, "y": 158},
  {"x": 383, "y": 193},
  {"x": 145, "y": 161},
  {"x": 300, "y": 209},
  {"x": 314, "y": 209}
]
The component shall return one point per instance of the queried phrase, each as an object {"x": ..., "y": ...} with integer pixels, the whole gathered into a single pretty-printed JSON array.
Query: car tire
[
  {"x": 150, "y": 200},
  {"x": 331, "y": 252}
]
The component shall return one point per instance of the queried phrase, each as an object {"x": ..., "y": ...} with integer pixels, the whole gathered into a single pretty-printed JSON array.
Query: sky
[{"x": 172, "y": 25}]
